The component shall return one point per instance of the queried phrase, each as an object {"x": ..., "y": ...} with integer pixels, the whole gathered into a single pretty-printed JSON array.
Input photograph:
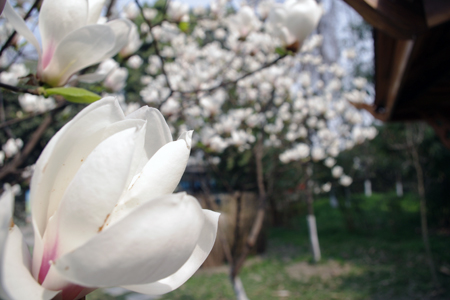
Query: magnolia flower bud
[
  {"x": 292, "y": 21},
  {"x": 71, "y": 38}
]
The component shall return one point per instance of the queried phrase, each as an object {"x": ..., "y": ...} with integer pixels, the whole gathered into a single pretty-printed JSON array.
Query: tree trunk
[
  {"x": 310, "y": 218},
  {"x": 238, "y": 288},
  {"x": 399, "y": 186},
  {"x": 256, "y": 227},
  {"x": 423, "y": 204},
  {"x": 313, "y": 237},
  {"x": 368, "y": 188}
]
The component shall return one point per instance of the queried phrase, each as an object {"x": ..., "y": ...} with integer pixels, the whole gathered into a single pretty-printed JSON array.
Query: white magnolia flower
[
  {"x": 135, "y": 62},
  {"x": 71, "y": 37},
  {"x": 36, "y": 104},
  {"x": 317, "y": 153},
  {"x": 345, "y": 180},
  {"x": 116, "y": 80},
  {"x": 131, "y": 11},
  {"x": 326, "y": 187},
  {"x": 14, "y": 73},
  {"x": 337, "y": 171},
  {"x": 329, "y": 162},
  {"x": 178, "y": 12},
  {"x": 243, "y": 22},
  {"x": 104, "y": 213},
  {"x": 133, "y": 43},
  {"x": 359, "y": 82},
  {"x": 264, "y": 8},
  {"x": 293, "y": 20},
  {"x": 12, "y": 146}
]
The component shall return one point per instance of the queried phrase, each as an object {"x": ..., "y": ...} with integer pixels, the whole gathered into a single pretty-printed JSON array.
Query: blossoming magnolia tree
[{"x": 244, "y": 79}]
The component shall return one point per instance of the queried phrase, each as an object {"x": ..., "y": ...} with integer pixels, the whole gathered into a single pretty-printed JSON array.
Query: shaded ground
[{"x": 382, "y": 259}]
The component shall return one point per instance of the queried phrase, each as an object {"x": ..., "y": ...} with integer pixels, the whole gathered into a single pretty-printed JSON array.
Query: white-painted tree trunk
[
  {"x": 368, "y": 188},
  {"x": 313, "y": 237},
  {"x": 399, "y": 188},
  {"x": 238, "y": 288}
]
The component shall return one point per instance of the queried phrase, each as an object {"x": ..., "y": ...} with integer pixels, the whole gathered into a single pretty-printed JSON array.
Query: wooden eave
[{"x": 412, "y": 60}]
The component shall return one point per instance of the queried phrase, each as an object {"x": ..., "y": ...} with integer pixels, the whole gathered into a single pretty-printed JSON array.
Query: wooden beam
[
  {"x": 397, "y": 20},
  {"x": 391, "y": 59},
  {"x": 402, "y": 53},
  {"x": 436, "y": 11}
]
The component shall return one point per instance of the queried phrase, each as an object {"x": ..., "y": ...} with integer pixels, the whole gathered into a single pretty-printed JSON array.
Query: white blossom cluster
[
  {"x": 299, "y": 101},
  {"x": 233, "y": 74}
]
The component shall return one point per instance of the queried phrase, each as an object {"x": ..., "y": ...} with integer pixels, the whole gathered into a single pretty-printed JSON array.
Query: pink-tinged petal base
[
  {"x": 73, "y": 292},
  {"x": 50, "y": 255},
  {"x": 48, "y": 55}
]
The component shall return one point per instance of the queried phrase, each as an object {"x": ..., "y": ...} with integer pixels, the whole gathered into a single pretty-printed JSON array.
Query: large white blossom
[{"x": 100, "y": 221}]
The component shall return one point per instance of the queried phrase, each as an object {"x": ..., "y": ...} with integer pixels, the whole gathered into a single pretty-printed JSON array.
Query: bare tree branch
[
  {"x": 226, "y": 83},
  {"x": 155, "y": 45},
  {"x": 11, "y": 37},
  {"x": 20, "y": 157},
  {"x": 260, "y": 214},
  {"x": 19, "y": 89},
  {"x": 110, "y": 8},
  {"x": 18, "y": 120}
]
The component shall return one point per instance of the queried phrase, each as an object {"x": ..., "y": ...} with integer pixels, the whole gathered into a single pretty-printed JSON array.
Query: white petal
[
  {"x": 303, "y": 19},
  {"x": 201, "y": 252},
  {"x": 159, "y": 177},
  {"x": 19, "y": 25},
  {"x": 93, "y": 193},
  {"x": 81, "y": 48},
  {"x": 138, "y": 159},
  {"x": 163, "y": 171},
  {"x": 91, "y": 77},
  {"x": 121, "y": 29},
  {"x": 59, "y": 18},
  {"x": 16, "y": 277},
  {"x": 95, "y": 9},
  {"x": 62, "y": 158},
  {"x": 151, "y": 243},
  {"x": 6, "y": 212},
  {"x": 158, "y": 132}
]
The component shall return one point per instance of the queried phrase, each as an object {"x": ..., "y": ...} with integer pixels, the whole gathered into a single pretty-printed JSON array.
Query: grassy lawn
[{"x": 382, "y": 258}]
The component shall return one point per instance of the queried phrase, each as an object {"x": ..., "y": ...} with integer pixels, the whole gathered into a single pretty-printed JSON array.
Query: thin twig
[
  {"x": 11, "y": 37},
  {"x": 155, "y": 45},
  {"x": 32, "y": 115},
  {"x": 20, "y": 157},
  {"x": 226, "y": 83},
  {"x": 109, "y": 9},
  {"x": 18, "y": 89},
  {"x": 3, "y": 117}
]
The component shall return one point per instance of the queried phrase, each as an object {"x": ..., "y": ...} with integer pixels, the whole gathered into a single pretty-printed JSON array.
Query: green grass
[{"x": 381, "y": 258}]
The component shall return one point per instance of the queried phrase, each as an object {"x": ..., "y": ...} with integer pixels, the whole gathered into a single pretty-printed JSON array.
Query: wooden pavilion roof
[{"x": 412, "y": 60}]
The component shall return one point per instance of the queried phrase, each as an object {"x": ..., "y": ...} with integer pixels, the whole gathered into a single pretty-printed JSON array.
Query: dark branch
[
  {"x": 19, "y": 89},
  {"x": 18, "y": 120},
  {"x": 11, "y": 37},
  {"x": 155, "y": 45},
  {"x": 226, "y": 83}
]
